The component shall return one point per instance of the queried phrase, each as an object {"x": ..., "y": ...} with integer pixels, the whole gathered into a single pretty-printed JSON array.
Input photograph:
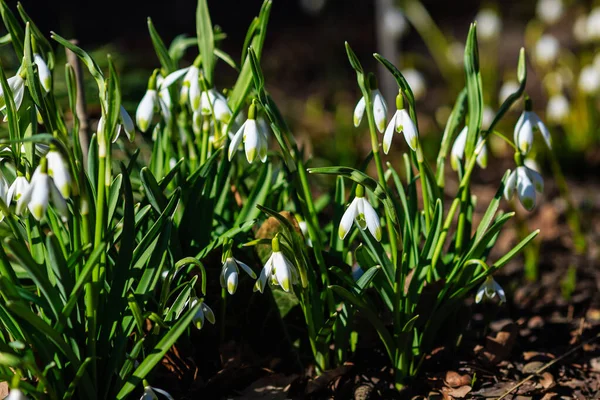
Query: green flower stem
[
  {"x": 380, "y": 172},
  {"x": 424, "y": 186}
]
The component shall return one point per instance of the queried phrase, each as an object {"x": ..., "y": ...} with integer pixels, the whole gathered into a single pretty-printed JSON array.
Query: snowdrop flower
[
  {"x": 17, "y": 87},
  {"x": 526, "y": 182},
  {"x": 58, "y": 169},
  {"x": 15, "y": 394},
  {"x": 17, "y": 189},
  {"x": 394, "y": 23},
  {"x": 458, "y": 150},
  {"x": 546, "y": 50},
  {"x": 401, "y": 122},
  {"x": 146, "y": 108},
  {"x": 254, "y": 138},
  {"x": 589, "y": 80},
  {"x": 593, "y": 24},
  {"x": 125, "y": 123},
  {"x": 378, "y": 104},
  {"x": 558, "y": 108},
  {"x": 549, "y": 11},
  {"x": 43, "y": 71},
  {"x": 488, "y": 24},
  {"x": 490, "y": 288},
  {"x": 507, "y": 89},
  {"x": 361, "y": 212},
  {"x": 415, "y": 81},
  {"x": 191, "y": 81},
  {"x": 204, "y": 312},
  {"x": 278, "y": 270},
  {"x": 40, "y": 191},
  {"x": 230, "y": 273},
  {"x": 213, "y": 101},
  {"x": 528, "y": 123},
  {"x": 150, "y": 392}
]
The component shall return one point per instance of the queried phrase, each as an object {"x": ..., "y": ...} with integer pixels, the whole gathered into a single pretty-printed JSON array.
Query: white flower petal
[
  {"x": 58, "y": 169},
  {"x": 348, "y": 219},
  {"x": 524, "y": 138},
  {"x": 246, "y": 268},
  {"x": 127, "y": 123},
  {"x": 145, "y": 110},
  {"x": 379, "y": 110},
  {"x": 511, "y": 185},
  {"x": 173, "y": 77},
  {"x": 282, "y": 271},
  {"x": 543, "y": 130},
  {"x": 236, "y": 140},
  {"x": 389, "y": 133},
  {"x": 409, "y": 129},
  {"x": 359, "y": 111},
  {"x": 536, "y": 178},
  {"x": 525, "y": 189},
  {"x": 372, "y": 220},
  {"x": 251, "y": 140},
  {"x": 458, "y": 148},
  {"x": 43, "y": 71}
]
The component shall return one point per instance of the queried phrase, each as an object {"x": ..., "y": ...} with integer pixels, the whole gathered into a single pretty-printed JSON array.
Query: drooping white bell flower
[
  {"x": 255, "y": 141},
  {"x": 147, "y": 107},
  {"x": 204, "y": 312},
  {"x": 17, "y": 87},
  {"x": 558, "y": 108},
  {"x": 230, "y": 273},
  {"x": 378, "y": 104},
  {"x": 488, "y": 24},
  {"x": 458, "y": 150},
  {"x": 361, "y": 212},
  {"x": 43, "y": 71},
  {"x": 549, "y": 11},
  {"x": 400, "y": 122},
  {"x": 17, "y": 189},
  {"x": 490, "y": 288},
  {"x": 546, "y": 50},
  {"x": 589, "y": 80},
  {"x": 278, "y": 270},
  {"x": 125, "y": 123},
  {"x": 526, "y": 182},
  {"x": 58, "y": 169},
  {"x": 39, "y": 193},
  {"x": 528, "y": 123},
  {"x": 213, "y": 101},
  {"x": 416, "y": 81}
]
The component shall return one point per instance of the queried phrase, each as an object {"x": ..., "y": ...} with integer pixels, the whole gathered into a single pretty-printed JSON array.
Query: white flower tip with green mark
[
  {"x": 58, "y": 169},
  {"x": 359, "y": 111},
  {"x": 43, "y": 71},
  {"x": 379, "y": 110},
  {"x": 145, "y": 110}
]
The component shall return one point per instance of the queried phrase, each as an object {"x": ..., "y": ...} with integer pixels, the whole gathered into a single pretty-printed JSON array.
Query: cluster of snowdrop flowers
[
  {"x": 490, "y": 288},
  {"x": 378, "y": 104},
  {"x": 51, "y": 181},
  {"x": 458, "y": 150},
  {"x": 361, "y": 212},
  {"x": 254, "y": 135},
  {"x": 17, "y": 82},
  {"x": 278, "y": 270},
  {"x": 401, "y": 122}
]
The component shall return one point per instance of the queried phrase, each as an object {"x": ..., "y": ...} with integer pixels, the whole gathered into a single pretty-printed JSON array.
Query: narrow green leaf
[{"x": 206, "y": 40}]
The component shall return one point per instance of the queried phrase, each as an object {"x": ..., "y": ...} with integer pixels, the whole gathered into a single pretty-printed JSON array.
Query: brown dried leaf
[{"x": 454, "y": 379}]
